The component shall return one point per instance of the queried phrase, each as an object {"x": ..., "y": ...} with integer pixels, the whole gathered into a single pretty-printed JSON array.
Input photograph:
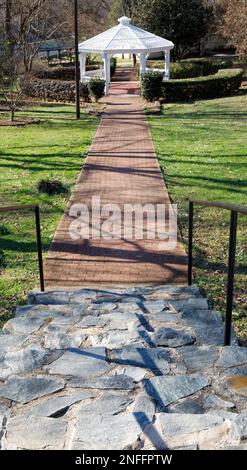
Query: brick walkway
[{"x": 121, "y": 167}]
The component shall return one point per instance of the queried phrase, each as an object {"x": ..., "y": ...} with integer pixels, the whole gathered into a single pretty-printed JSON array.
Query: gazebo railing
[
  {"x": 235, "y": 210},
  {"x": 99, "y": 73}
]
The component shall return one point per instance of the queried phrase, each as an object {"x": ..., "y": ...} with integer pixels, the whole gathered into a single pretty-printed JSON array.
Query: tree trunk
[
  {"x": 12, "y": 114},
  {"x": 8, "y": 31}
]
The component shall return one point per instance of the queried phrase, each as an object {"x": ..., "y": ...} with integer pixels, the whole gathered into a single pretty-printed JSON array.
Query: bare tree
[
  {"x": 234, "y": 24},
  {"x": 28, "y": 24},
  {"x": 119, "y": 8},
  {"x": 36, "y": 21},
  {"x": 10, "y": 82}
]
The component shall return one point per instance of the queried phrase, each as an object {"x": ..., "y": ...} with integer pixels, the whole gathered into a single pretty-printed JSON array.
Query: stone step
[
  {"x": 98, "y": 396},
  {"x": 150, "y": 360},
  {"x": 131, "y": 294},
  {"x": 144, "y": 307}
]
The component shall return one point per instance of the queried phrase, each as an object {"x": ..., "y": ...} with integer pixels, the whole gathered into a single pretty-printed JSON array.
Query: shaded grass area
[
  {"x": 202, "y": 150},
  {"x": 54, "y": 149}
]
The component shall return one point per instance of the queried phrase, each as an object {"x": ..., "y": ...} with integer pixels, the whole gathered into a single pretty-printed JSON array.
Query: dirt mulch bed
[{"x": 7, "y": 123}]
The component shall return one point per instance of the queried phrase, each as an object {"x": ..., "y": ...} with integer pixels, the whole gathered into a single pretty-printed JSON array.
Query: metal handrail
[
  {"x": 36, "y": 208},
  {"x": 235, "y": 210}
]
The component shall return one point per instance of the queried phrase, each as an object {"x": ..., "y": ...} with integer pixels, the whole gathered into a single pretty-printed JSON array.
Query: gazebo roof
[{"x": 125, "y": 38}]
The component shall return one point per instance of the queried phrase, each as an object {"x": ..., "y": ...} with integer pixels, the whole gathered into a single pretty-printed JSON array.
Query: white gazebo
[{"x": 125, "y": 38}]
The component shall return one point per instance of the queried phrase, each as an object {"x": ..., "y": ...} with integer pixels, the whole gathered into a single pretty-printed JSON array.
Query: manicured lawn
[
  {"x": 202, "y": 149},
  {"x": 53, "y": 149}
]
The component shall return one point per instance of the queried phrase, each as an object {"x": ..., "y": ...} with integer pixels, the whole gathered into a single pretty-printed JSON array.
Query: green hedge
[
  {"x": 184, "y": 70},
  {"x": 151, "y": 85},
  {"x": 225, "y": 82},
  {"x": 191, "y": 68}
]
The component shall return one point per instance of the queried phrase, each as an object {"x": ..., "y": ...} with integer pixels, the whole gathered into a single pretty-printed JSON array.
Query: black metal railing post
[
  {"x": 235, "y": 210},
  {"x": 34, "y": 207},
  {"x": 190, "y": 243},
  {"x": 230, "y": 280},
  {"x": 39, "y": 244}
]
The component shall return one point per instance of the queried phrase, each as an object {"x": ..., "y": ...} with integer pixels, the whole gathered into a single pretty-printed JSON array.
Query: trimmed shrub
[
  {"x": 113, "y": 65},
  {"x": 56, "y": 73},
  {"x": 151, "y": 86},
  {"x": 97, "y": 88},
  {"x": 184, "y": 70},
  {"x": 52, "y": 187},
  {"x": 4, "y": 230},
  {"x": 224, "y": 83},
  {"x": 53, "y": 90}
]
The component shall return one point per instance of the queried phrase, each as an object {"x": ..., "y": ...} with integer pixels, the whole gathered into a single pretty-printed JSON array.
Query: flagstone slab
[
  {"x": 188, "y": 305},
  {"x": 54, "y": 406},
  {"x": 232, "y": 356},
  {"x": 172, "y": 338},
  {"x": 167, "y": 390},
  {"x": 52, "y": 311},
  {"x": 48, "y": 298},
  {"x": 136, "y": 373},
  {"x": 167, "y": 316},
  {"x": 155, "y": 306},
  {"x": 114, "y": 339},
  {"x": 35, "y": 433},
  {"x": 114, "y": 382},
  {"x": 186, "y": 431},
  {"x": 82, "y": 295},
  {"x": 107, "y": 428},
  {"x": 26, "y": 389},
  {"x": 24, "y": 325},
  {"x": 187, "y": 406},
  {"x": 90, "y": 362},
  {"x": 199, "y": 358},
  {"x": 92, "y": 321},
  {"x": 60, "y": 337},
  {"x": 143, "y": 404},
  {"x": 26, "y": 360},
  {"x": 213, "y": 401},
  {"x": 10, "y": 342},
  {"x": 157, "y": 359},
  {"x": 201, "y": 317}
]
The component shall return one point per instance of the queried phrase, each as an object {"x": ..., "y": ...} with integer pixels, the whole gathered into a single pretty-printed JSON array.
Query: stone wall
[{"x": 53, "y": 90}]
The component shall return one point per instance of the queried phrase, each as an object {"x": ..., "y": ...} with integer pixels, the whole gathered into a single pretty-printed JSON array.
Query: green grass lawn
[
  {"x": 53, "y": 149},
  {"x": 202, "y": 150}
]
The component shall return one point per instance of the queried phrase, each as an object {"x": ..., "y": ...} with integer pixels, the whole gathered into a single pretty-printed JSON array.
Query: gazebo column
[
  {"x": 143, "y": 62},
  {"x": 82, "y": 64},
  {"x": 107, "y": 72},
  {"x": 167, "y": 65}
]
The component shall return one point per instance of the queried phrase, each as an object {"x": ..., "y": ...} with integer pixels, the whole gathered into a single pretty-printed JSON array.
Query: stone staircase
[{"x": 135, "y": 368}]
